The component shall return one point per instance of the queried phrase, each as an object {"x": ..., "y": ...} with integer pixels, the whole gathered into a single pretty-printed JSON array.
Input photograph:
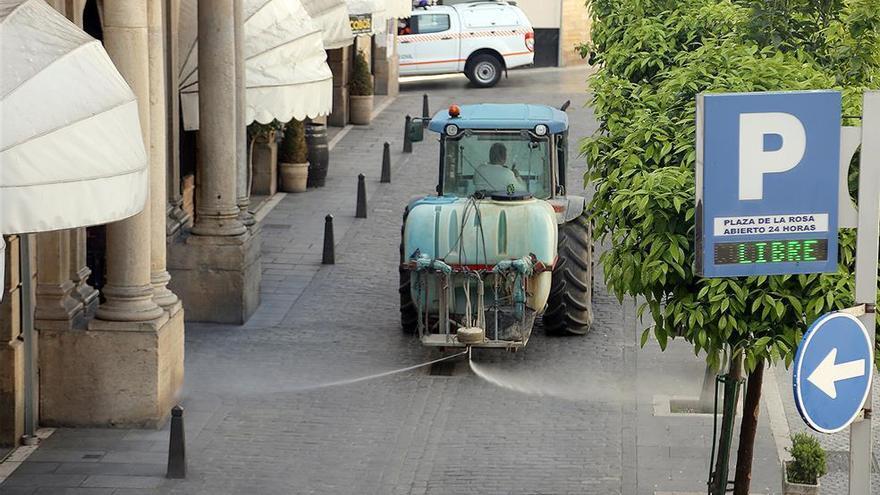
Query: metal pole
[
  {"x": 866, "y": 279},
  {"x": 28, "y": 335}
]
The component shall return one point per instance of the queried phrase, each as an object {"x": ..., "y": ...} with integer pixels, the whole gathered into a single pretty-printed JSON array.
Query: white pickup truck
[{"x": 481, "y": 39}]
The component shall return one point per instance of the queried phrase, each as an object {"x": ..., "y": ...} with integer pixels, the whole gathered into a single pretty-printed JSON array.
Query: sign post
[
  {"x": 866, "y": 278},
  {"x": 771, "y": 193}
]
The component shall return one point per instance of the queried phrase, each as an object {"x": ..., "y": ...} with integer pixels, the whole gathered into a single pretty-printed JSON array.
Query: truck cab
[{"x": 481, "y": 39}]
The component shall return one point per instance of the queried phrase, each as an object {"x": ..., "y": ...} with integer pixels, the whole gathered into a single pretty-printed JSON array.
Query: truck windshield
[{"x": 497, "y": 162}]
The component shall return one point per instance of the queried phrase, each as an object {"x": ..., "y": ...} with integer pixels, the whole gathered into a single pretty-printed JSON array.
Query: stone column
[
  {"x": 339, "y": 61},
  {"x": 79, "y": 272},
  {"x": 11, "y": 348},
  {"x": 129, "y": 293},
  {"x": 74, "y": 11},
  {"x": 216, "y": 271},
  {"x": 177, "y": 216},
  {"x": 55, "y": 307},
  {"x": 385, "y": 61},
  {"x": 243, "y": 189},
  {"x": 126, "y": 368},
  {"x": 159, "y": 276},
  {"x": 217, "y": 208}
]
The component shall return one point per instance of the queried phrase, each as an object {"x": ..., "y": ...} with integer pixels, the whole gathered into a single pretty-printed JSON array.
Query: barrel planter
[
  {"x": 294, "y": 176},
  {"x": 319, "y": 154},
  {"x": 361, "y": 109}
]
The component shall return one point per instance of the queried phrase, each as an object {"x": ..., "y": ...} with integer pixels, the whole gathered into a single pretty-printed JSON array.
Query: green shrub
[
  {"x": 808, "y": 460},
  {"x": 293, "y": 147},
  {"x": 361, "y": 83},
  {"x": 654, "y": 57}
]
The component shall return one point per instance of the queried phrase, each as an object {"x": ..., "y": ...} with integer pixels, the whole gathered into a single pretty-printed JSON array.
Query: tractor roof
[{"x": 502, "y": 116}]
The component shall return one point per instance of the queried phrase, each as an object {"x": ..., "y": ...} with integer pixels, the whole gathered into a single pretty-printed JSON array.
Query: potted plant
[
  {"x": 800, "y": 476},
  {"x": 293, "y": 160},
  {"x": 263, "y": 151},
  {"x": 360, "y": 90}
]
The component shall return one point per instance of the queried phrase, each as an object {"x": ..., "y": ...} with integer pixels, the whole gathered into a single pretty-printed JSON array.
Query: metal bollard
[
  {"x": 361, "y": 211},
  {"x": 329, "y": 256},
  {"x": 176, "y": 446},
  {"x": 386, "y": 164},
  {"x": 426, "y": 114},
  {"x": 407, "y": 144}
]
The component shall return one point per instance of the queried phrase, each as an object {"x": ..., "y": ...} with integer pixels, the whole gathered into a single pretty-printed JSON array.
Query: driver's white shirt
[{"x": 494, "y": 177}]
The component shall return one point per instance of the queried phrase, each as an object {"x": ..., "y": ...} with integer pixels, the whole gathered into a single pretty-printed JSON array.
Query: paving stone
[
  {"x": 117, "y": 481},
  {"x": 117, "y": 468}
]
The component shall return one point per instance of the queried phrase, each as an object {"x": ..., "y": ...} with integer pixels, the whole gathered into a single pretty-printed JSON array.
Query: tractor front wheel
[{"x": 569, "y": 306}]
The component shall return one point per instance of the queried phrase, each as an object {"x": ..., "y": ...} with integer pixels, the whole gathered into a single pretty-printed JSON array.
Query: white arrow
[{"x": 828, "y": 373}]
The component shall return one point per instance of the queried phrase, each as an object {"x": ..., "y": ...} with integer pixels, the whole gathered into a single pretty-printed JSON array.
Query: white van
[{"x": 481, "y": 39}]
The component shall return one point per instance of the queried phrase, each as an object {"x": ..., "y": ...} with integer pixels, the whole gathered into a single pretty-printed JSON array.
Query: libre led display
[{"x": 750, "y": 252}]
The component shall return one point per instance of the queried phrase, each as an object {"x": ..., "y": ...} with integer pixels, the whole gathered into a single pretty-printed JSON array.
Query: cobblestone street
[{"x": 566, "y": 415}]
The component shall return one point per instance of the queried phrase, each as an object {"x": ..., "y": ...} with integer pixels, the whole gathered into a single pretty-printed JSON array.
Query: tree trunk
[
  {"x": 749, "y": 427},
  {"x": 734, "y": 375}
]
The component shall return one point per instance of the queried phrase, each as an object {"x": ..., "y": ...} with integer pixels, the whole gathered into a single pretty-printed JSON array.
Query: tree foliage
[
  {"x": 361, "y": 83},
  {"x": 294, "y": 148},
  {"x": 654, "y": 57}
]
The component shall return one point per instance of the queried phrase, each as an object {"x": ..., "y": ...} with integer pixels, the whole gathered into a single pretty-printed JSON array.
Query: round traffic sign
[{"x": 833, "y": 367}]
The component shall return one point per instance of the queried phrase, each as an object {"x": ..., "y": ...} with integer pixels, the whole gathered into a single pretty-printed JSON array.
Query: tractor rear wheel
[
  {"x": 409, "y": 315},
  {"x": 569, "y": 306}
]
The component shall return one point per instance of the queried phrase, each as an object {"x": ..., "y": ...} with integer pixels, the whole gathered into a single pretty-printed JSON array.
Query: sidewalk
[{"x": 674, "y": 448}]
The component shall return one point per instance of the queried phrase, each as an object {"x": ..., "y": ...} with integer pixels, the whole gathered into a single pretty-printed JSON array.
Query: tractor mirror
[{"x": 416, "y": 131}]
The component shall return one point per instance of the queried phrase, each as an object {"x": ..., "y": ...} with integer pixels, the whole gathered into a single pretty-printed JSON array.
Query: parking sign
[{"x": 767, "y": 183}]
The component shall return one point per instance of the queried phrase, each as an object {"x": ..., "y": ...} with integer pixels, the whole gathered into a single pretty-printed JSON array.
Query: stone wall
[
  {"x": 575, "y": 31},
  {"x": 11, "y": 350}
]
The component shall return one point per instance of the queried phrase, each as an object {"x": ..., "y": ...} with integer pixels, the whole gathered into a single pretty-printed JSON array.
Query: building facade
[{"x": 92, "y": 319}]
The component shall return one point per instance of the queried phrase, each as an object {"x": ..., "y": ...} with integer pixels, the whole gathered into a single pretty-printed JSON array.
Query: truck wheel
[
  {"x": 409, "y": 315},
  {"x": 484, "y": 70},
  {"x": 569, "y": 306}
]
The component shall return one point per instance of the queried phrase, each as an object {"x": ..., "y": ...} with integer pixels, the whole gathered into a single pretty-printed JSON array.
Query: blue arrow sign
[{"x": 833, "y": 367}]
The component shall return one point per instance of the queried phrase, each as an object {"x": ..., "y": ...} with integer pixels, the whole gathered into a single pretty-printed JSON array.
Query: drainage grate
[
  {"x": 443, "y": 368},
  {"x": 92, "y": 456}
]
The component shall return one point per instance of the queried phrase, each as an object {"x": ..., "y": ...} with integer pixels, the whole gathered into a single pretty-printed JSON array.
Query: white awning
[
  {"x": 375, "y": 10},
  {"x": 399, "y": 9},
  {"x": 331, "y": 16},
  {"x": 286, "y": 69},
  {"x": 71, "y": 149}
]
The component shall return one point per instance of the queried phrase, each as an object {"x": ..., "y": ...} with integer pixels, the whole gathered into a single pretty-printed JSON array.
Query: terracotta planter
[
  {"x": 789, "y": 488},
  {"x": 294, "y": 176},
  {"x": 361, "y": 109}
]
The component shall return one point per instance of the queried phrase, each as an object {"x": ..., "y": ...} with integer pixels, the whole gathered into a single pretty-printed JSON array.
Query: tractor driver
[{"x": 495, "y": 175}]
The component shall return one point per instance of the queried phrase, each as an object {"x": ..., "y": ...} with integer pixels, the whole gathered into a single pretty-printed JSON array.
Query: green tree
[{"x": 654, "y": 57}]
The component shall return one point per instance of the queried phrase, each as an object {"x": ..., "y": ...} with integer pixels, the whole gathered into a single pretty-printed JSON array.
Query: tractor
[{"x": 501, "y": 243}]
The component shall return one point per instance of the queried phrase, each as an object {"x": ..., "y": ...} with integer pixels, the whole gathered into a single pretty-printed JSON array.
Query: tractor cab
[
  {"x": 502, "y": 151},
  {"x": 501, "y": 245}
]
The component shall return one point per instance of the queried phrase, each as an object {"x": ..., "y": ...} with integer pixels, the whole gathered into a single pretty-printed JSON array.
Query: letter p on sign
[{"x": 755, "y": 160}]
